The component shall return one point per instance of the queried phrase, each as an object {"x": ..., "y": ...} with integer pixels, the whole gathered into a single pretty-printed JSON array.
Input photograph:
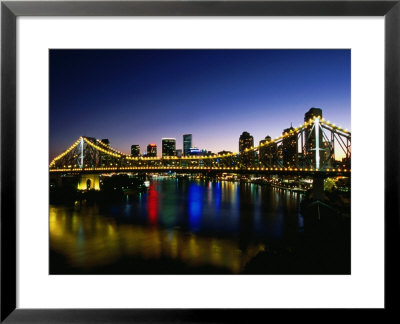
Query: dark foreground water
[{"x": 179, "y": 226}]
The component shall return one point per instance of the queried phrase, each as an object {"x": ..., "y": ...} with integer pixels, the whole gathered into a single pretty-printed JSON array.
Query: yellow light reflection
[{"x": 91, "y": 241}]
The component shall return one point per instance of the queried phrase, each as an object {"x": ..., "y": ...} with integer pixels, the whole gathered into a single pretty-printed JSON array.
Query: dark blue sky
[{"x": 140, "y": 96}]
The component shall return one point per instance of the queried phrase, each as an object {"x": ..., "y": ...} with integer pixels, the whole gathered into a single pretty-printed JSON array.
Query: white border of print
[{"x": 363, "y": 288}]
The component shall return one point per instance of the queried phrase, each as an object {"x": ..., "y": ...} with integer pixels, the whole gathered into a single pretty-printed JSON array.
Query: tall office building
[
  {"x": 262, "y": 151},
  {"x": 187, "y": 144},
  {"x": 135, "y": 150},
  {"x": 268, "y": 153},
  {"x": 152, "y": 150},
  {"x": 313, "y": 112},
  {"x": 245, "y": 141},
  {"x": 289, "y": 148},
  {"x": 168, "y": 146}
]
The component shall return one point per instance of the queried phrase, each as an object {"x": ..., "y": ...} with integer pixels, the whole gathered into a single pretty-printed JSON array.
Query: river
[{"x": 177, "y": 226}]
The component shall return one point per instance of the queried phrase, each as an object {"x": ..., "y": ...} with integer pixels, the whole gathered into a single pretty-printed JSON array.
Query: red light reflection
[{"x": 152, "y": 205}]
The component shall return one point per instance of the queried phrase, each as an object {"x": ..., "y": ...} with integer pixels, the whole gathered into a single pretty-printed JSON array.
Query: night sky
[{"x": 140, "y": 96}]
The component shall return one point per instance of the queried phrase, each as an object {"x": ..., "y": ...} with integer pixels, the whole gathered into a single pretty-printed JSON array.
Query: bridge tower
[
  {"x": 317, "y": 148},
  {"x": 318, "y": 181},
  {"x": 81, "y": 156}
]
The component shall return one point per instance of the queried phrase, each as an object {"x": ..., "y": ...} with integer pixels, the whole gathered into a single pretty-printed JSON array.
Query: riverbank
[{"x": 259, "y": 181}]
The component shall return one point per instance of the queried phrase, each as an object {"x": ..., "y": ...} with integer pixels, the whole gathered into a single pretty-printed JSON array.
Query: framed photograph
[
  {"x": 191, "y": 196},
  {"x": 181, "y": 160}
]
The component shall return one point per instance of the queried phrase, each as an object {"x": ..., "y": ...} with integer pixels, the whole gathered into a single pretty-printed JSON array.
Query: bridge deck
[{"x": 259, "y": 170}]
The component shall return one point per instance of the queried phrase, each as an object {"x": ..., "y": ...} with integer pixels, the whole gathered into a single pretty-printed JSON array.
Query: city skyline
[
  {"x": 189, "y": 103},
  {"x": 159, "y": 148}
]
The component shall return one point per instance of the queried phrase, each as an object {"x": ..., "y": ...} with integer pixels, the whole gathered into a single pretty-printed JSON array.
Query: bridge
[{"x": 307, "y": 150}]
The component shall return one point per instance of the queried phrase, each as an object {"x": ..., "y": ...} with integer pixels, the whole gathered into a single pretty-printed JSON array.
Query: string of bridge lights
[
  {"x": 111, "y": 148},
  {"x": 116, "y": 153},
  {"x": 132, "y": 168},
  {"x": 65, "y": 152},
  {"x": 100, "y": 149}
]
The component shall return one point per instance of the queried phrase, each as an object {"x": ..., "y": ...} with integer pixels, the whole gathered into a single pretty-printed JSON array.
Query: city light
[{"x": 121, "y": 161}]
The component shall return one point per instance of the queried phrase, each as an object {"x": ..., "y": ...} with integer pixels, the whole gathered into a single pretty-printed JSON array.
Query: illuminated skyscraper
[
  {"x": 135, "y": 150},
  {"x": 268, "y": 152},
  {"x": 168, "y": 146},
  {"x": 245, "y": 141},
  {"x": 289, "y": 147},
  {"x": 187, "y": 144},
  {"x": 313, "y": 112},
  {"x": 152, "y": 150},
  {"x": 263, "y": 150}
]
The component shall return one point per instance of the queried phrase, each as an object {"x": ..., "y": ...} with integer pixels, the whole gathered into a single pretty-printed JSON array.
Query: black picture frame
[{"x": 10, "y": 10}]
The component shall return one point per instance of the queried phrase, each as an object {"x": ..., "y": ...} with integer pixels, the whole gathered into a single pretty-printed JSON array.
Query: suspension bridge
[{"x": 309, "y": 150}]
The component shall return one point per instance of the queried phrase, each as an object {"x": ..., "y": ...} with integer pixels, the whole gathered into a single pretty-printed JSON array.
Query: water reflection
[
  {"x": 198, "y": 223},
  {"x": 152, "y": 205},
  {"x": 195, "y": 204}
]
